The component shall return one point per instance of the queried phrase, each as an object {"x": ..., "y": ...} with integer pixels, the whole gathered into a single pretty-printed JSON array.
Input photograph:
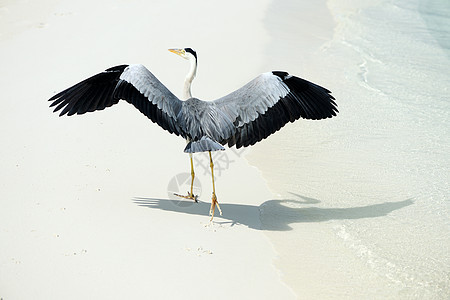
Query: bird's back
[{"x": 202, "y": 118}]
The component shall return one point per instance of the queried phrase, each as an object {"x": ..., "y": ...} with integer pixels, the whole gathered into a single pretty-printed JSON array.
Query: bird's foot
[
  {"x": 188, "y": 196},
  {"x": 214, "y": 202}
]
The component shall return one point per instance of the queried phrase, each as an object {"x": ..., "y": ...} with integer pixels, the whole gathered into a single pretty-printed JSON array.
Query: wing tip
[
  {"x": 317, "y": 102},
  {"x": 89, "y": 94}
]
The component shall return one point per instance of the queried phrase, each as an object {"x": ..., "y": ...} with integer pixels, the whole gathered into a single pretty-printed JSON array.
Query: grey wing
[
  {"x": 266, "y": 104},
  {"x": 133, "y": 83}
]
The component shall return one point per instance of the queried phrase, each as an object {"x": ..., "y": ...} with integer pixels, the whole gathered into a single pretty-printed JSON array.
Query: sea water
[{"x": 376, "y": 177}]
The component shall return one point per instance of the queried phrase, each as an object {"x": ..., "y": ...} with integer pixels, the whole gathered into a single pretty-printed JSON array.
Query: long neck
[{"x": 189, "y": 77}]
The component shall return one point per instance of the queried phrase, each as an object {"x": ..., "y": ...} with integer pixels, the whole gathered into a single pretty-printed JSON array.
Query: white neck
[{"x": 189, "y": 77}]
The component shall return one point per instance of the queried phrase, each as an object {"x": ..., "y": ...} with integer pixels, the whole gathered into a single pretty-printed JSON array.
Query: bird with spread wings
[{"x": 241, "y": 118}]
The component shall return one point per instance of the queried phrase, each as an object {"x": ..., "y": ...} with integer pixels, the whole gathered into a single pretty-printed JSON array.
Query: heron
[{"x": 242, "y": 118}]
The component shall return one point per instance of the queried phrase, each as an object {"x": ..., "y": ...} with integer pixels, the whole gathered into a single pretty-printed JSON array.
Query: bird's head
[{"x": 186, "y": 53}]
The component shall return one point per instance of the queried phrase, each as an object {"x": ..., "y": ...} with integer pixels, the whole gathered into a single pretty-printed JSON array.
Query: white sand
[{"x": 85, "y": 207}]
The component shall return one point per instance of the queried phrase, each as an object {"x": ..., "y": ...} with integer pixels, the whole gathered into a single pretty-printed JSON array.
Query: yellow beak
[{"x": 179, "y": 52}]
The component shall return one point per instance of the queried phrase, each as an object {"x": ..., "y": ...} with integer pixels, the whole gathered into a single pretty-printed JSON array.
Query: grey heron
[{"x": 241, "y": 118}]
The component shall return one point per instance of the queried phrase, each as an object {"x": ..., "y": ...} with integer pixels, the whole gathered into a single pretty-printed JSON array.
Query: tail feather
[{"x": 203, "y": 145}]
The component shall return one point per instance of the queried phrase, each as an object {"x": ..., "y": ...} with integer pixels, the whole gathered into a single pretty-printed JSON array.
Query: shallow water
[{"x": 374, "y": 181}]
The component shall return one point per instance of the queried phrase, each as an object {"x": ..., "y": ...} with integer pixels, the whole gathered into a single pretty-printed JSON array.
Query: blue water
[{"x": 378, "y": 174}]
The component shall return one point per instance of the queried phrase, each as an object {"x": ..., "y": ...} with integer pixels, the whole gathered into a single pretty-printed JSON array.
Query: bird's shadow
[{"x": 274, "y": 215}]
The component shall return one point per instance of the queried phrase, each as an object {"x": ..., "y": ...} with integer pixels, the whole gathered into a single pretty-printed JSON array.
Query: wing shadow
[{"x": 274, "y": 215}]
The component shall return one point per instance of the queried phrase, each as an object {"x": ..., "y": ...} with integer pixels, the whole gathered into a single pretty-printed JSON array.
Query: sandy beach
[
  {"x": 87, "y": 206},
  {"x": 355, "y": 207}
]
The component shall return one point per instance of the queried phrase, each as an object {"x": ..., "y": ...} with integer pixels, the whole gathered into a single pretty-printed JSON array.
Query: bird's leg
[
  {"x": 192, "y": 175},
  {"x": 214, "y": 198},
  {"x": 190, "y": 195}
]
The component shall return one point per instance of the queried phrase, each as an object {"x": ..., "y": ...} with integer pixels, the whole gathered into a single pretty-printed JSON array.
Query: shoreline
[
  {"x": 304, "y": 266},
  {"x": 360, "y": 203}
]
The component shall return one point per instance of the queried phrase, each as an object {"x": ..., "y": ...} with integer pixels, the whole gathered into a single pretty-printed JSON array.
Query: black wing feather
[
  {"x": 304, "y": 100},
  {"x": 106, "y": 89},
  {"x": 80, "y": 97}
]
